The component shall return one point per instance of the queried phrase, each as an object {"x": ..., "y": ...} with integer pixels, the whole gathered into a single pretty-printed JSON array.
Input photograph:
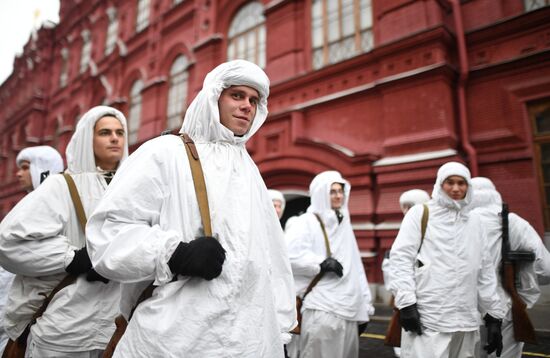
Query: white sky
[{"x": 17, "y": 19}]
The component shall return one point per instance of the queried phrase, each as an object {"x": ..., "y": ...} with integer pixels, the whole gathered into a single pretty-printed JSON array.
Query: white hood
[
  {"x": 319, "y": 191},
  {"x": 80, "y": 150},
  {"x": 42, "y": 159},
  {"x": 277, "y": 195},
  {"x": 202, "y": 118},
  {"x": 486, "y": 194},
  {"x": 445, "y": 171},
  {"x": 413, "y": 196}
]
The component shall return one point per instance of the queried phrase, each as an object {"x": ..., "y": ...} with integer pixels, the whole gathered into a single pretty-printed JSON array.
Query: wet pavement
[{"x": 372, "y": 341}]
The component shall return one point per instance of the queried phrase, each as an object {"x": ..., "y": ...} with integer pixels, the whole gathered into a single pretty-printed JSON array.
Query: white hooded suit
[
  {"x": 151, "y": 206},
  {"x": 347, "y": 299},
  {"x": 457, "y": 275},
  {"x": 41, "y": 159},
  {"x": 37, "y": 242},
  {"x": 522, "y": 236}
]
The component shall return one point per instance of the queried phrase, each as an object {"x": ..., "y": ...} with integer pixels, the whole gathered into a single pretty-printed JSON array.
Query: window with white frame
[
  {"x": 531, "y": 5},
  {"x": 86, "y": 53},
  {"x": 246, "y": 36},
  {"x": 340, "y": 29},
  {"x": 134, "y": 115},
  {"x": 177, "y": 94},
  {"x": 112, "y": 31},
  {"x": 64, "y": 73},
  {"x": 142, "y": 17}
]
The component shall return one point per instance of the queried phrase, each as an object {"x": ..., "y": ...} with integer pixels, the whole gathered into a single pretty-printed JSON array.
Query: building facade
[{"x": 384, "y": 91}]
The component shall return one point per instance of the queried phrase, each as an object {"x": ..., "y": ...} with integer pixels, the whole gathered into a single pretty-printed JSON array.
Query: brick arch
[
  {"x": 310, "y": 158},
  {"x": 174, "y": 52}
]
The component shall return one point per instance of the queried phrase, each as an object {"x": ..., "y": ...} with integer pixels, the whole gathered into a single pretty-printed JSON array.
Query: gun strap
[
  {"x": 70, "y": 278},
  {"x": 202, "y": 199},
  {"x": 320, "y": 275},
  {"x": 80, "y": 213},
  {"x": 423, "y": 225},
  {"x": 198, "y": 181}
]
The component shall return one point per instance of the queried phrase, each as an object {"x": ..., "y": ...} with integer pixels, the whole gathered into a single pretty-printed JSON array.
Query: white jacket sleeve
[
  {"x": 32, "y": 240},
  {"x": 282, "y": 282},
  {"x": 488, "y": 299},
  {"x": 125, "y": 240},
  {"x": 367, "y": 297},
  {"x": 303, "y": 260},
  {"x": 403, "y": 256}
]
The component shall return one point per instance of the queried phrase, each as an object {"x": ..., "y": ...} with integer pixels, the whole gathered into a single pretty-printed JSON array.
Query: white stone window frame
[
  {"x": 112, "y": 31},
  {"x": 64, "y": 71},
  {"x": 86, "y": 52},
  {"x": 134, "y": 112},
  {"x": 142, "y": 14}
]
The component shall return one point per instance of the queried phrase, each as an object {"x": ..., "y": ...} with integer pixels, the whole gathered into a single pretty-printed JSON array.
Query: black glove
[
  {"x": 332, "y": 265},
  {"x": 202, "y": 257},
  {"x": 81, "y": 262},
  {"x": 494, "y": 335},
  {"x": 410, "y": 319},
  {"x": 92, "y": 276},
  {"x": 361, "y": 328}
]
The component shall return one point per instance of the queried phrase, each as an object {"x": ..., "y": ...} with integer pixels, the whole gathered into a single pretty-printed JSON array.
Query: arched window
[
  {"x": 177, "y": 94},
  {"x": 246, "y": 37},
  {"x": 340, "y": 29},
  {"x": 134, "y": 115}
]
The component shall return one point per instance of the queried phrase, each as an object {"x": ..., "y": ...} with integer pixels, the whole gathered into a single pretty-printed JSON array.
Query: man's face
[
  {"x": 336, "y": 195},
  {"x": 24, "y": 175},
  {"x": 455, "y": 187},
  {"x": 108, "y": 142},
  {"x": 237, "y": 105},
  {"x": 278, "y": 208}
]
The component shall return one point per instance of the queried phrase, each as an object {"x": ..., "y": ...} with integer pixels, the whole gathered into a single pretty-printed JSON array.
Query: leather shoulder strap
[
  {"x": 80, "y": 213},
  {"x": 319, "y": 276},
  {"x": 70, "y": 278},
  {"x": 66, "y": 281},
  {"x": 327, "y": 243},
  {"x": 423, "y": 224},
  {"x": 202, "y": 198},
  {"x": 198, "y": 181}
]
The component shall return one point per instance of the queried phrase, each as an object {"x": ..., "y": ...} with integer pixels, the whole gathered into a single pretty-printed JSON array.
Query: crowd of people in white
[{"x": 185, "y": 246}]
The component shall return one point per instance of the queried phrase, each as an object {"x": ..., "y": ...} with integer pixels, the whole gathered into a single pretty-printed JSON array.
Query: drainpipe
[{"x": 461, "y": 88}]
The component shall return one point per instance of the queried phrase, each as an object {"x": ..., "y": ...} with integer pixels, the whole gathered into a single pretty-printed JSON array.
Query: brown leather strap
[
  {"x": 423, "y": 225},
  {"x": 327, "y": 243},
  {"x": 202, "y": 199},
  {"x": 67, "y": 280},
  {"x": 320, "y": 275},
  {"x": 80, "y": 213},
  {"x": 70, "y": 278},
  {"x": 198, "y": 181}
]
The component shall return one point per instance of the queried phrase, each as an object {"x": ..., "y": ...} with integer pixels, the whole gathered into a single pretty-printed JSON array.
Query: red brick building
[{"x": 384, "y": 91}]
